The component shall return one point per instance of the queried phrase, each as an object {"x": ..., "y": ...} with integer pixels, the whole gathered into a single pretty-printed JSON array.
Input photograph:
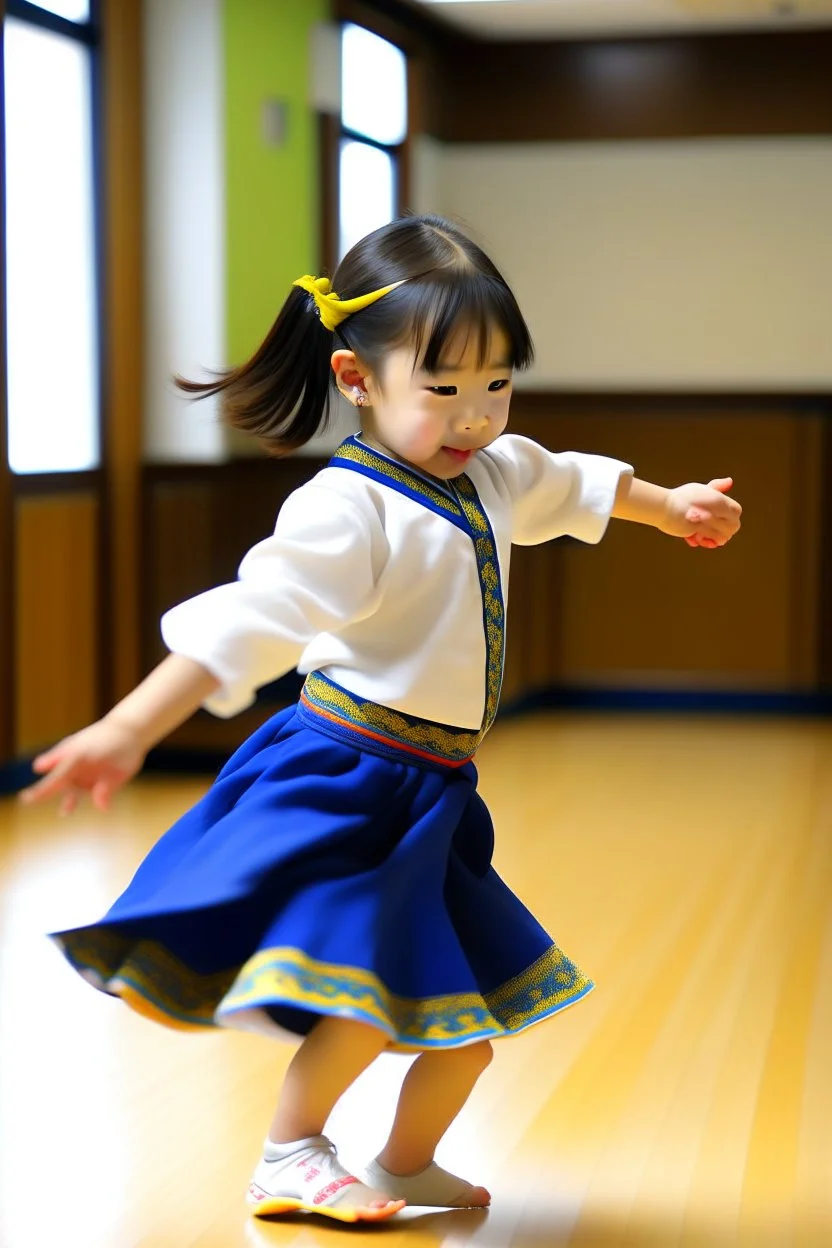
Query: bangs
[{"x": 446, "y": 307}]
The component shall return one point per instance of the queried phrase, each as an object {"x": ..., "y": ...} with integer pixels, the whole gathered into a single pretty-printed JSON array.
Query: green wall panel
[{"x": 272, "y": 195}]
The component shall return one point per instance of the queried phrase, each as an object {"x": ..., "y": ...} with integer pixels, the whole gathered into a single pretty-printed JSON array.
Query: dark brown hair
[{"x": 281, "y": 394}]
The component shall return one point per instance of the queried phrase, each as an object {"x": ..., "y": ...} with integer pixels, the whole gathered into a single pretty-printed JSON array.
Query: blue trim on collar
[{"x": 363, "y": 459}]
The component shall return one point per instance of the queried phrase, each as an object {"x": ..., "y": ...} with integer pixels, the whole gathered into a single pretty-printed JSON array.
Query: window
[
  {"x": 52, "y": 335},
  {"x": 373, "y": 131}
]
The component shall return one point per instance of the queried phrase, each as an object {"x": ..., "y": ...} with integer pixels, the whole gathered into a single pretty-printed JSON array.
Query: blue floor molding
[
  {"x": 673, "y": 701},
  {"x": 16, "y": 775}
]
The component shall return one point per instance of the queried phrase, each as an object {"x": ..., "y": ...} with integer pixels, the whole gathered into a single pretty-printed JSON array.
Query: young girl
[{"x": 335, "y": 883}]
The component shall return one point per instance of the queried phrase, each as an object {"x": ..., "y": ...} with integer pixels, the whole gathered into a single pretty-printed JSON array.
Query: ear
[{"x": 349, "y": 374}]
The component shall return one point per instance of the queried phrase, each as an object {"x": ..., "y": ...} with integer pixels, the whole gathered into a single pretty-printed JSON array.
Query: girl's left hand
[{"x": 701, "y": 514}]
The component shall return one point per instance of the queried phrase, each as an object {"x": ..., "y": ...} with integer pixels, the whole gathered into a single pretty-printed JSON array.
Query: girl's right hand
[{"x": 98, "y": 759}]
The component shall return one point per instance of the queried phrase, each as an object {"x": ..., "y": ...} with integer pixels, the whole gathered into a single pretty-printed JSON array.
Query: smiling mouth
[{"x": 461, "y": 457}]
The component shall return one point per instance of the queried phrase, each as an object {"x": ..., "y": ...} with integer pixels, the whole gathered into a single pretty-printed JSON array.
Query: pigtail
[{"x": 281, "y": 395}]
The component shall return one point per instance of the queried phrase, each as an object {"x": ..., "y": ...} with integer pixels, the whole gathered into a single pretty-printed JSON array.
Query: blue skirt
[{"x": 325, "y": 874}]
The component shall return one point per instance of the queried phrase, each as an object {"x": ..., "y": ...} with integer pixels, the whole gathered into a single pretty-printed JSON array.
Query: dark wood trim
[
  {"x": 121, "y": 235},
  {"x": 658, "y": 88},
  {"x": 825, "y": 588},
  {"x": 7, "y": 655},
  {"x": 245, "y": 470},
  {"x": 103, "y": 614},
  {"x": 328, "y": 131},
  {"x": 25, "y": 485},
  {"x": 552, "y": 402},
  {"x": 404, "y": 179}
]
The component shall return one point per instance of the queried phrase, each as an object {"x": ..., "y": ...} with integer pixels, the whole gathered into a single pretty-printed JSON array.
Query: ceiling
[{"x": 575, "y": 19}]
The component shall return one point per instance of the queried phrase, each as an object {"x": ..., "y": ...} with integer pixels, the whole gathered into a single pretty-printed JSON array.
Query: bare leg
[
  {"x": 299, "y": 1165},
  {"x": 436, "y": 1087},
  {"x": 330, "y": 1059}
]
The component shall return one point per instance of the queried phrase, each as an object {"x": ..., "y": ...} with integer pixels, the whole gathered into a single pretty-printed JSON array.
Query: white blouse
[{"x": 381, "y": 593}]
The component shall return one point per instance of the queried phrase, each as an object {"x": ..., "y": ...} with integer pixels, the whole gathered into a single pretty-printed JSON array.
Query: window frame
[
  {"x": 16, "y": 486},
  {"x": 398, "y": 152},
  {"x": 333, "y": 133}
]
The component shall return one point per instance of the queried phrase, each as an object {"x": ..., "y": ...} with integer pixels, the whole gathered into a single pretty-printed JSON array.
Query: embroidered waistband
[{"x": 391, "y": 732}]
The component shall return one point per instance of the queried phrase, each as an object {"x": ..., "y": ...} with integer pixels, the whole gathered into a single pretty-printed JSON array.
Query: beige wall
[
  {"x": 669, "y": 267},
  {"x": 184, "y": 202},
  {"x": 655, "y": 265}
]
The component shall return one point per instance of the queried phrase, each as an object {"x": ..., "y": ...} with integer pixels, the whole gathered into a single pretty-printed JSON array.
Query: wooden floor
[{"x": 685, "y": 864}]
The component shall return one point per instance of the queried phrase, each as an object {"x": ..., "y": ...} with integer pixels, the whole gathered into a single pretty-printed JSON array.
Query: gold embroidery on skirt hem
[{"x": 154, "y": 982}]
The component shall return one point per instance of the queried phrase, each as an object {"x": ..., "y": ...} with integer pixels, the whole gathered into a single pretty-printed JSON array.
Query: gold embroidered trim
[
  {"x": 177, "y": 995},
  {"x": 149, "y": 969},
  {"x": 444, "y": 742},
  {"x": 469, "y": 507},
  {"x": 493, "y": 609},
  {"x": 388, "y": 468}
]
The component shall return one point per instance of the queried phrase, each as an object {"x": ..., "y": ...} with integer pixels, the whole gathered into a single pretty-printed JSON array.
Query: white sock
[
  {"x": 431, "y": 1186},
  {"x": 277, "y": 1152}
]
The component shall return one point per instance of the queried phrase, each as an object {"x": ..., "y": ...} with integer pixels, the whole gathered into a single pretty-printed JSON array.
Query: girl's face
[{"x": 435, "y": 421}]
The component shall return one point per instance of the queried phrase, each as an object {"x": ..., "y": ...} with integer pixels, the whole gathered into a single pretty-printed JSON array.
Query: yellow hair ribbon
[{"x": 331, "y": 307}]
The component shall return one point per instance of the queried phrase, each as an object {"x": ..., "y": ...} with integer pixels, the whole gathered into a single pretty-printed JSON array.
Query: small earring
[{"x": 360, "y": 396}]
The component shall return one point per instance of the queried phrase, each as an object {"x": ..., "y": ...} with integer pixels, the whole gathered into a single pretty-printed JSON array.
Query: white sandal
[{"x": 307, "y": 1177}]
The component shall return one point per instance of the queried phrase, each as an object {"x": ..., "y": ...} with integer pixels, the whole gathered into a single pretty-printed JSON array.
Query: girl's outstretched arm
[
  {"x": 104, "y": 756},
  {"x": 701, "y": 514}
]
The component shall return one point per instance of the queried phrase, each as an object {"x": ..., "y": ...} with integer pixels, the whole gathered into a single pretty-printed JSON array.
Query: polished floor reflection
[{"x": 685, "y": 863}]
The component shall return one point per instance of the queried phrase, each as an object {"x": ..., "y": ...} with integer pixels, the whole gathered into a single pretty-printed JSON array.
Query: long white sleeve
[
  {"x": 367, "y": 584},
  {"x": 553, "y": 495},
  {"x": 317, "y": 573}
]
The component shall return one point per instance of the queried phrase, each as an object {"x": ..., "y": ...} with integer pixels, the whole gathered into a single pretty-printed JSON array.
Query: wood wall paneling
[
  {"x": 198, "y": 523},
  {"x": 642, "y": 610},
  {"x": 534, "y": 620},
  {"x": 808, "y": 530},
  {"x": 187, "y": 523},
  {"x": 57, "y": 638},
  {"x": 180, "y": 553},
  {"x": 638, "y": 611},
  {"x": 659, "y": 88}
]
